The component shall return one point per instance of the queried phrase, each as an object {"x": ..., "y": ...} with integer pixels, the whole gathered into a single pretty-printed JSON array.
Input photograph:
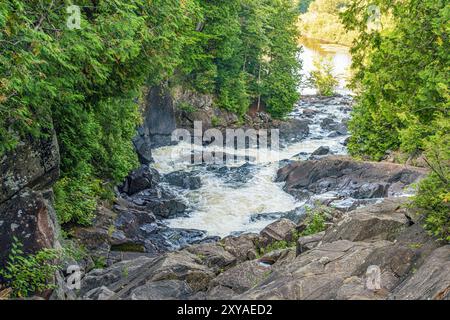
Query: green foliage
[
  {"x": 321, "y": 21},
  {"x": 433, "y": 196},
  {"x": 303, "y": 5},
  {"x": 322, "y": 77},
  {"x": 315, "y": 222},
  {"x": 76, "y": 200},
  {"x": 85, "y": 83},
  {"x": 245, "y": 51},
  {"x": 401, "y": 74},
  {"x": 277, "y": 245},
  {"x": 28, "y": 274}
]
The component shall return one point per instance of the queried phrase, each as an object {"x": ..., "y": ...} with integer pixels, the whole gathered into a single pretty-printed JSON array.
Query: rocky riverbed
[{"x": 163, "y": 244}]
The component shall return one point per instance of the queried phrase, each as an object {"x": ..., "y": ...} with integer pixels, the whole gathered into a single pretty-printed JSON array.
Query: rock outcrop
[
  {"x": 347, "y": 178},
  {"x": 26, "y": 213},
  {"x": 334, "y": 264}
]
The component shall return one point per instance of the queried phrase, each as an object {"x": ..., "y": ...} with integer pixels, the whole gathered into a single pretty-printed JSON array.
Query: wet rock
[
  {"x": 330, "y": 125},
  {"x": 321, "y": 151},
  {"x": 160, "y": 238},
  {"x": 294, "y": 130},
  {"x": 347, "y": 177},
  {"x": 346, "y": 141},
  {"x": 140, "y": 179},
  {"x": 309, "y": 112},
  {"x": 182, "y": 179},
  {"x": 280, "y": 230},
  {"x": 233, "y": 175},
  {"x": 160, "y": 201},
  {"x": 142, "y": 144},
  {"x": 159, "y": 116}
]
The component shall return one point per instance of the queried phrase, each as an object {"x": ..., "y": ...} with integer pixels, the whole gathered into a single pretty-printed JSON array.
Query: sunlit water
[
  {"x": 339, "y": 57},
  {"x": 222, "y": 208}
]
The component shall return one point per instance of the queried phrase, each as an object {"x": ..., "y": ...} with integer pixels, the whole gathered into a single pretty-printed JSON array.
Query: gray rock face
[
  {"x": 430, "y": 281},
  {"x": 411, "y": 266},
  {"x": 309, "y": 242},
  {"x": 294, "y": 130},
  {"x": 33, "y": 164},
  {"x": 29, "y": 217},
  {"x": 162, "y": 290},
  {"x": 28, "y": 173},
  {"x": 331, "y": 125},
  {"x": 316, "y": 274},
  {"x": 242, "y": 277},
  {"x": 143, "y": 145},
  {"x": 347, "y": 177},
  {"x": 363, "y": 225},
  {"x": 243, "y": 247},
  {"x": 140, "y": 179},
  {"x": 159, "y": 116},
  {"x": 185, "y": 180},
  {"x": 321, "y": 151},
  {"x": 280, "y": 230},
  {"x": 214, "y": 256}
]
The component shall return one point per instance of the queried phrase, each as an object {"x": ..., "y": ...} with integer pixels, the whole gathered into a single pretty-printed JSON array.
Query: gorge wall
[{"x": 26, "y": 195}]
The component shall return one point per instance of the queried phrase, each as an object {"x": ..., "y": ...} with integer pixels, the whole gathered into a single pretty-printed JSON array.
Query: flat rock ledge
[{"x": 335, "y": 264}]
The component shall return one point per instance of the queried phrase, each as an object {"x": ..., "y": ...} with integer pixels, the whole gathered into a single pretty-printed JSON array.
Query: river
[{"x": 230, "y": 203}]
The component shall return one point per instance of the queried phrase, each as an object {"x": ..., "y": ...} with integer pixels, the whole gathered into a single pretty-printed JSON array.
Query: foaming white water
[{"x": 222, "y": 208}]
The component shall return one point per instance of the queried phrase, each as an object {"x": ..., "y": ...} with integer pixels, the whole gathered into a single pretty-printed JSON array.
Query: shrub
[
  {"x": 31, "y": 273},
  {"x": 315, "y": 222},
  {"x": 433, "y": 196},
  {"x": 322, "y": 77},
  {"x": 76, "y": 200}
]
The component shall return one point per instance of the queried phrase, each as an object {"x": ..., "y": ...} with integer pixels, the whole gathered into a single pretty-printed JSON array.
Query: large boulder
[
  {"x": 159, "y": 116},
  {"x": 29, "y": 217},
  {"x": 182, "y": 179},
  {"x": 140, "y": 179},
  {"x": 315, "y": 274},
  {"x": 294, "y": 130},
  {"x": 280, "y": 230},
  {"x": 242, "y": 277},
  {"x": 347, "y": 178},
  {"x": 381, "y": 221},
  {"x": 27, "y": 175},
  {"x": 243, "y": 247},
  {"x": 430, "y": 282},
  {"x": 125, "y": 277},
  {"x": 214, "y": 256}
]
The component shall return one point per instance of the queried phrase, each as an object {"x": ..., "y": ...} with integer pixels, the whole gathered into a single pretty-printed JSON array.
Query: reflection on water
[{"x": 340, "y": 57}]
